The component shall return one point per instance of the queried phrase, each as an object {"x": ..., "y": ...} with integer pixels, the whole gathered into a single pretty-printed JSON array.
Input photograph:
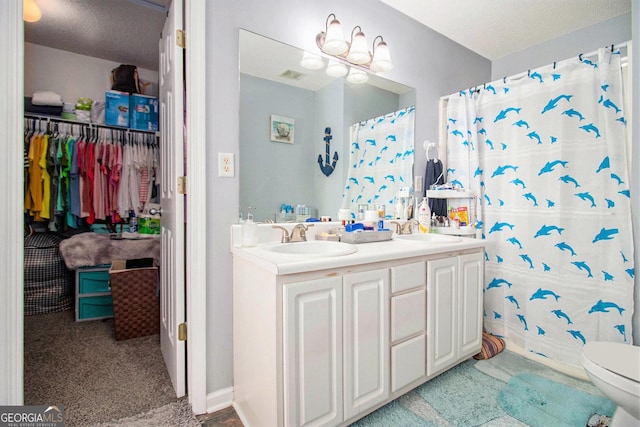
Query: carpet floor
[{"x": 80, "y": 366}]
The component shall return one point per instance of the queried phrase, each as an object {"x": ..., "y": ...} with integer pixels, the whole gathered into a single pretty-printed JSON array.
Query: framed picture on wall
[{"x": 282, "y": 129}]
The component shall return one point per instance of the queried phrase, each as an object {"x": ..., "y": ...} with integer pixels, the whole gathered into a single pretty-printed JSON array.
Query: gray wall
[
  {"x": 278, "y": 172},
  {"x": 423, "y": 59}
]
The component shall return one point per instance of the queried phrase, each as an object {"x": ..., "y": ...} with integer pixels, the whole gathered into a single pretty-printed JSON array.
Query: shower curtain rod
[{"x": 528, "y": 72}]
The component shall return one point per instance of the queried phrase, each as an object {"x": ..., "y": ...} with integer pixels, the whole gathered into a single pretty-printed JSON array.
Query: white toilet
[{"x": 615, "y": 369}]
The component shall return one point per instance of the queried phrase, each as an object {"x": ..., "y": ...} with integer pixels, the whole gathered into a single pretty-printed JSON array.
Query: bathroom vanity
[{"x": 324, "y": 335}]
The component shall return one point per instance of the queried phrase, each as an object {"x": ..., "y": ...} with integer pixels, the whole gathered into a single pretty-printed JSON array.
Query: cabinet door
[
  {"x": 470, "y": 300},
  {"x": 366, "y": 340},
  {"x": 313, "y": 352},
  {"x": 442, "y": 301}
]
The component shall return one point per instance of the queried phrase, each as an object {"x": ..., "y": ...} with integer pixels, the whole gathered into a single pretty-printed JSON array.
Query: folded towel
[{"x": 46, "y": 98}]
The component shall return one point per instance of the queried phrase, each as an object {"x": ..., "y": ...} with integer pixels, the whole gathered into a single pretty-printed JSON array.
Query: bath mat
[
  {"x": 538, "y": 401},
  {"x": 449, "y": 394}
]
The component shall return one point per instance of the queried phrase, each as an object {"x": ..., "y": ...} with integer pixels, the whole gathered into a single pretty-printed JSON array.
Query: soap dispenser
[
  {"x": 249, "y": 231},
  {"x": 424, "y": 216}
]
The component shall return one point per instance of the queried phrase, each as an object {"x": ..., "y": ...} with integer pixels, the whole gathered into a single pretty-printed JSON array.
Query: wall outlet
[{"x": 225, "y": 165}]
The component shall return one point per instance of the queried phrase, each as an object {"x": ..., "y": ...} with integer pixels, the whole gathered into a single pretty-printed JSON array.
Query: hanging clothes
[{"x": 75, "y": 176}]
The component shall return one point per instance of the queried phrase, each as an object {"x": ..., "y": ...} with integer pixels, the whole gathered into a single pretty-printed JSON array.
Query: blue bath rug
[{"x": 540, "y": 402}]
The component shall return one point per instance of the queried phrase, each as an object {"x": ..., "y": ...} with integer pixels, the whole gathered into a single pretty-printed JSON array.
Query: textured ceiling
[
  {"x": 127, "y": 31},
  {"x": 497, "y": 28},
  {"x": 124, "y": 31}
]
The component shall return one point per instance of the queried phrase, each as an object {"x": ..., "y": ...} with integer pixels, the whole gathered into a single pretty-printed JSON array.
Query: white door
[
  {"x": 313, "y": 353},
  {"x": 366, "y": 340},
  {"x": 172, "y": 283}
]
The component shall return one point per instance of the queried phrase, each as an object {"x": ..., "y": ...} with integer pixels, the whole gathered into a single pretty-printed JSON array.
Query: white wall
[
  {"x": 72, "y": 75},
  {"x": 423, "y": 60}
]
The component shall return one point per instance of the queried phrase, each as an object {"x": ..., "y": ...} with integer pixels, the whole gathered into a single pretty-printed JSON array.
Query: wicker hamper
[{"x": 136, "y": 306}]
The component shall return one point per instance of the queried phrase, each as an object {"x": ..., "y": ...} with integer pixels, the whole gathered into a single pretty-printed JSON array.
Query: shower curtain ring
[{"x": 580, "y": 57}]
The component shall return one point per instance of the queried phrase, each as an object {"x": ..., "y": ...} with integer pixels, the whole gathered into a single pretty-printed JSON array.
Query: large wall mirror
[{"x": 286, "y": 169}]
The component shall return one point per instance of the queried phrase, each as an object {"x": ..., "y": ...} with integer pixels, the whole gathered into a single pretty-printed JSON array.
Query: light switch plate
[
  {"x": 417, "y": 184},
  {"x": 226, "y": 165}
]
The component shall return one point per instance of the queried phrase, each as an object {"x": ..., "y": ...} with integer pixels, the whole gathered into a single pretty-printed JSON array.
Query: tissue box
[
  {"x": 148, "y": 225},
  {"x": 116, "y": 112},
  {"x": 144, "y": 112}
]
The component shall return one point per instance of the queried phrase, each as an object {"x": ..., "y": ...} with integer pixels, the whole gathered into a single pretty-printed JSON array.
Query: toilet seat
[{"x": 620, "y": 359}]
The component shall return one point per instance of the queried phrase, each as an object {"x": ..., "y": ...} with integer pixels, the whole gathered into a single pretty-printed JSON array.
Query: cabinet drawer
[
  {"x": 407, "y": 362},
  {"x": 93, "y": 281},
  {"x": 408, "y": 315},
  {"x": 409, "y": 276},
  {"x": 95, "y": 307}
]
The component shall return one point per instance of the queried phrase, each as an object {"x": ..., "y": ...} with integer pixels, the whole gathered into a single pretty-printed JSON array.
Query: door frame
[{"x": 11, "y": 216}]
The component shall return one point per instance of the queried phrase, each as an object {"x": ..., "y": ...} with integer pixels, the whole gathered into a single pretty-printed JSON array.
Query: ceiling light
[
  {"x": 332, "y": 42},
  {"x": 30, "y": 11}
]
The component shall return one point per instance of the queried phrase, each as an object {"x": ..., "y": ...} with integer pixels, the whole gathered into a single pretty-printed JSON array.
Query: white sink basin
[
  {"x": 311, "y": 248},
  {"x": 428, "y": 238}
]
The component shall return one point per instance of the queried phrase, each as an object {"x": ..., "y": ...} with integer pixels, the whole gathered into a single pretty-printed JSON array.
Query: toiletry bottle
[
  {"x": 399, "y": 209},
  {"x": 424, "y": 216},
  {"x": 133, "y": 222},
  {"x": 249, "y": 231}
]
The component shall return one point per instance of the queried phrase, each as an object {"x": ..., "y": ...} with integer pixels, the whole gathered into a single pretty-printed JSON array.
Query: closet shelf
[{"x": 59, "y": 119}]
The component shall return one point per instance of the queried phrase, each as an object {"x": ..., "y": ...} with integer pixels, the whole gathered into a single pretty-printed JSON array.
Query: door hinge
[
  {"x": 182, "y": 185},
  {"x": 180, "y": 38},
  {"x": 182, "y": 332}
]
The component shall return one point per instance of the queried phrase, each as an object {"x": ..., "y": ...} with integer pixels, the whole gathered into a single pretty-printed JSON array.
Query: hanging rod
[
  {"x": 90, "y": 125},
  {"x": 528, "y": 72}
]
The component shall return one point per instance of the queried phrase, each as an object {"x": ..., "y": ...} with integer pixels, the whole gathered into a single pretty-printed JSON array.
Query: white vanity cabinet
[
  {"x": 454, "y": 307},
  {"x": 336, "y": 341},
  {"x": 325, "y": 347}
]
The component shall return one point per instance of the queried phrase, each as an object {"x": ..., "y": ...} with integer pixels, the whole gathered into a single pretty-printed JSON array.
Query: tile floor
[{"x": 226, "y": 417}]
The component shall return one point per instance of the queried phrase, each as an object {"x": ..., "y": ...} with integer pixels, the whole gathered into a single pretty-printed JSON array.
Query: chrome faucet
[
  {"x": 406, "y": 228},
  {"x": 299, "y": 233}
]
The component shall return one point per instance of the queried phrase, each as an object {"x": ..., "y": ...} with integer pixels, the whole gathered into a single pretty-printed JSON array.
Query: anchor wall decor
[{"x": 325, "y": 167}]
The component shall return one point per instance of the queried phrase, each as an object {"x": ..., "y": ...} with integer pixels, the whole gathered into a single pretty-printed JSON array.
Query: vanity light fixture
[
  {"x": 336, "y": 68},
  {"x": 357, "y": 76},
  {"x": 311, "y": 61},
  {"x": 332, "y": 42},
  {"x": 30, "y": 11}
]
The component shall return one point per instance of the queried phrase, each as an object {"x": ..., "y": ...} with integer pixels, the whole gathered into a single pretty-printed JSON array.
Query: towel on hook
[{"x": 46, "y": 97}]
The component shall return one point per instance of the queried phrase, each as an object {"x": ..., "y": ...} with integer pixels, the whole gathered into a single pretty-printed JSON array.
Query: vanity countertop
[{"x": 366, "y": 253}]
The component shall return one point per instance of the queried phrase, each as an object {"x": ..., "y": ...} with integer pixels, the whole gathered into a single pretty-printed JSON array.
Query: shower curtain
[
  {"x": 546, "y": 155},
  {"x": 380, "y": 160}
]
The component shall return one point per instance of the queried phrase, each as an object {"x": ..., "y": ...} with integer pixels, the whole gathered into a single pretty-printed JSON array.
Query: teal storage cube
[
  {"x": 95, "y": 307},
  {"x": 94, "y": 281}
]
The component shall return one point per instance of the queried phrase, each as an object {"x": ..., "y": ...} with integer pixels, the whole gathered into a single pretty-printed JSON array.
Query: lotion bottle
[
  {"x": 424, "y": 216},
  {"x": 249, "y": 231}
]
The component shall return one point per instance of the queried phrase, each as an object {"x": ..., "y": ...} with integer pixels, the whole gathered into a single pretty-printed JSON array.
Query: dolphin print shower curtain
[
  {"x": 380, "y": 160},
  {"x": 547, "y": 156}
]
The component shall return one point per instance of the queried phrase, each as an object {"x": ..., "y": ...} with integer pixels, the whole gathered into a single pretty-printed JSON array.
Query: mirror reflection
[{"x": 308, "y": 169}]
